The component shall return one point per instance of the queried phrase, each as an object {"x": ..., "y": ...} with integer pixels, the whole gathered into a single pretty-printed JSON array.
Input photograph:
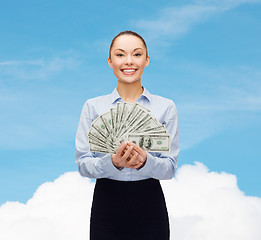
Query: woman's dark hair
[{"x": 128, "y": 33}]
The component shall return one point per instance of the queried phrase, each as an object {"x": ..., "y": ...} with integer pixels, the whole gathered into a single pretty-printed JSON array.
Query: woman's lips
[{"x": 129, "y": 71}]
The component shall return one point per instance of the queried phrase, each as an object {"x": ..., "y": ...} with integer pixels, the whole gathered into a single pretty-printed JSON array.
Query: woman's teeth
[{"x": 128, "y": 70}]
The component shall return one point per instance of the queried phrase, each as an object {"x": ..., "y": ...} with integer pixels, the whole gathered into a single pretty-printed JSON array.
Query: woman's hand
[
  {"x": 129, "y": 155},
  {"x": 142, "y": 155}
]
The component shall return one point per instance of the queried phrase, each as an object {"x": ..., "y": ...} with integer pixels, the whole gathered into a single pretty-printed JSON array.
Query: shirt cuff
[
  {"x": 149, "y": 165},
  {"x": 107, "y": 164}
]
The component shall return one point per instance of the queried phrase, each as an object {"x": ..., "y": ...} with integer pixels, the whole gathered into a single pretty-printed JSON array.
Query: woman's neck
[{"x": 130, "y": 92}]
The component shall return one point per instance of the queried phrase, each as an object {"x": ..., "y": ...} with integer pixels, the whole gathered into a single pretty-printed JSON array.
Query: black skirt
[{"x": 133, "y": 210}]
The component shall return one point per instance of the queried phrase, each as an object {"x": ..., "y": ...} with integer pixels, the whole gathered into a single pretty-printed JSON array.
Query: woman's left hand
[{"x": 142, "y": 155}]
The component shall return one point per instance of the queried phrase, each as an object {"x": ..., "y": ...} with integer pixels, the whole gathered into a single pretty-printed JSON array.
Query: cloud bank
[
  {"x": 202, "y": 205},
  {"x": 37, "y": 68},
  {"x": 177, "y": 20}
]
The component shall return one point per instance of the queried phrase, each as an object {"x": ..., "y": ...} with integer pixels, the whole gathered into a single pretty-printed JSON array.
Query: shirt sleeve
[
  {"x": 163, "y": 165},
  {"x": 89, "y": 164}
]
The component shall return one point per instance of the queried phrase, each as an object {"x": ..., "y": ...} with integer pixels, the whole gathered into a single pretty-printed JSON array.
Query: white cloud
[
  {"x": 176, "y": 21},
  {"x": 58, "y": 210},
  {"x": 202, "y": 205},
  {"x": 231, "y": 99},
  {"x": 37, "y": 68},
  {"x": 209, "y": 205},
  {"x": 34, "y": 62},
  {"x": 225, "y": 4}
]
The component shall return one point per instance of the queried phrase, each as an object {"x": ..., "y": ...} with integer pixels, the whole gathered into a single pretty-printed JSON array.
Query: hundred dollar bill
[
  {"x": 106, "y": 118},
  {"x": 119, "y": 109},
  {"x": 113, "y": 119},
  {"x": 150, "y": 130},
  {"x": 94, "y": 133},
  {"x": 134, "y": 110},
  {"x": 151, "y": 142},
  {"x": 143, "y": 108},
  {"x": 106, "y": 144},
  {"x": 101, "y": 127},
  {"x": 129, "y": 113},
  {"x": 147, "y": 123},
  {"x": 153, "y": 132},
  {"x": 139, "y": 121},
  {"x": 127, "y": 109},
  {"x": 135, "y": 120},
  {"x": 97, "y": 148}
]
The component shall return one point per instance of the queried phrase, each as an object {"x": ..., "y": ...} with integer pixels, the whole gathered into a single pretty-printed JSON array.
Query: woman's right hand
[{"x": 126, "y": 157}]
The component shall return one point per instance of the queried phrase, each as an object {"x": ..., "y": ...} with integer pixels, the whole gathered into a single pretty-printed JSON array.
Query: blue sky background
[{"x": 205, "y": 56}]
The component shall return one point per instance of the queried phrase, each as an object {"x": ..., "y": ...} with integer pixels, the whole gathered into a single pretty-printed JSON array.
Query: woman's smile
[
  {"x": 128, "y": 59},
  {"x": 129, "y": 71}
]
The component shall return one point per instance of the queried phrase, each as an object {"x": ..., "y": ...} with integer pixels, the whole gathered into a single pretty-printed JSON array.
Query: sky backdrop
[{"x": 205, "y": 56}]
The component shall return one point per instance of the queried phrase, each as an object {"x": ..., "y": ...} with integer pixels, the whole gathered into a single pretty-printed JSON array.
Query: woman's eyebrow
[
  {"x": 133, "y": 50},
  {"x": 119, "y": 49},
  {"x": 137, "y": 49}
]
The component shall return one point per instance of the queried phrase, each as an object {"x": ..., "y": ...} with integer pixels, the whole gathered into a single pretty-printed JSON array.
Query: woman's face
[{"x": 128, "y": 58}]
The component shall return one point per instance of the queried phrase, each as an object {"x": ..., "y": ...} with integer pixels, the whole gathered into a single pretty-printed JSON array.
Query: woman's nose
[{"x": 129, "y": 60}]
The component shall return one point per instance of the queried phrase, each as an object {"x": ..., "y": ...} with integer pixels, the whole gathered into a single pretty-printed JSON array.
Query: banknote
[
  {"x": 127, "y": 111},
  {"x": 151, "y": 142},
  {"x": 127, "y": 121},
  {"x": 96, "y": 148},
  {"x": 150, "y": 130},
  {"x": 113, "y": 119}
]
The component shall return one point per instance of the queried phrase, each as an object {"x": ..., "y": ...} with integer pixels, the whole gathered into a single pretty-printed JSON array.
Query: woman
[{"x": 128, "y": 201}]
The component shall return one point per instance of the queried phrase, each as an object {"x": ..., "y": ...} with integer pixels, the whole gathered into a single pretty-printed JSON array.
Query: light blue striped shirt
[{"x": 99, "y": 165}]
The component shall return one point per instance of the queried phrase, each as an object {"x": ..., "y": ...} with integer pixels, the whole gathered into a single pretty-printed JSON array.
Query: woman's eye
[
  {"x": 137, "y": 54},
  {"x": 119, "y": 55}
]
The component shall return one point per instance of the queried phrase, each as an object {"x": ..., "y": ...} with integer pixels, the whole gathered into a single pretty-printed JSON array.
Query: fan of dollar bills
[{"x": 128, "y": 122}]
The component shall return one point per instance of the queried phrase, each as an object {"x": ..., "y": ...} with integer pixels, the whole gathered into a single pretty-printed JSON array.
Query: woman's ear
[
  {"x": 147, "y": 61},
  {"x": 109, "y": 62}
]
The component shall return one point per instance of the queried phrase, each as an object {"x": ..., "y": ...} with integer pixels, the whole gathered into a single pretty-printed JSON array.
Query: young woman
[{"x": 128, "y": 201}]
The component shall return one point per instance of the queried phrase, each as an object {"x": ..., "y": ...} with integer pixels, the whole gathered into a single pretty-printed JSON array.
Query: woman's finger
[
  {"x": 136, "y": 147},
  {"x": 134, "y": 159},
  {"x": 139, "y": 150},
  {"x": 127, "y": 153},
  {"x": 121, "y": 149}
]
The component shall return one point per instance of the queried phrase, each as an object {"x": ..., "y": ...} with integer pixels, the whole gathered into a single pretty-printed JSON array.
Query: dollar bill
[
  {"x": 113, "y": 119},
  {"x": 147, "y": 123},
  {"x": 134, "y": 121},
  {"x": 126, "y": 113},
  {"x": 96, "y": 135},
  {"x": 106, "y": 144},
  {"x": 127, "y": 121},
  {"x": 106, "y": 118},
  {"x": 150, "y": 130},
  {"x": 97, "y": 148},
  {"x": 151, "y": 142},
  {"x": 100, "y": 127}
]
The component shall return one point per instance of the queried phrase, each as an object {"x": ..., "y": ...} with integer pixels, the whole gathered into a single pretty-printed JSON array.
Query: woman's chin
[{"x": 129, "y": 81}]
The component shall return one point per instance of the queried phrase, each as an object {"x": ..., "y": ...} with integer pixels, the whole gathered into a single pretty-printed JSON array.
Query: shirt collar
[
  {"x": 115, "y": 96},
  {"x": 146, "y": 94}
]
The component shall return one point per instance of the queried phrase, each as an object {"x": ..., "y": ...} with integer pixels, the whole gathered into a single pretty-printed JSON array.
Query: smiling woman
[
  {"x": 128, "y": 201},
  {"x": 128, "y": 58}
]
